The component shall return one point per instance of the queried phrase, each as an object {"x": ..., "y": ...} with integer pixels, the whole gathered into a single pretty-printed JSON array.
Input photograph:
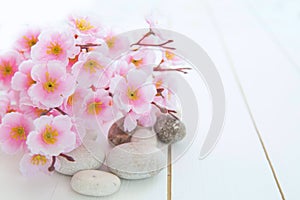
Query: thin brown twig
[
  {"x": 45, "y": 113},
  {"x": 87, "y": 46},
  {"x": 69, "y": 158},
  {"x": 158, "y": 45},
  {"x": 52, "y": 168},
  {"x": 139, "y": 42},
  {"x": 159, "y": 69},
  {"x": 166, "y": 111},
  {"x": 61, "y": 111},
  {"x": 145, "y": 36}
]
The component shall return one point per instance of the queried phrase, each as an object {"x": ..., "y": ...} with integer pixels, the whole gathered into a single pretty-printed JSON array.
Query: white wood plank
[
  {"x": 271, "y": 84},
  {"x": 237, "y": 169},
  {"x": 279, "y": 19},
  {"x": 14, "y": 186}
]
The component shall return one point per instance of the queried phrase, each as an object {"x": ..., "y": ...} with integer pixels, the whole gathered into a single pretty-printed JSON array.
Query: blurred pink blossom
[
  {"x": 9, "y": 63},
  {"x": 34, "y": 164},
  {"x": 14, "y": 130},
  {"x": 91, "y": 69},
  {"x": 26, "y": 41},
  {"x": 97, "y": 109},
  {"x": 22, "y": 80}
]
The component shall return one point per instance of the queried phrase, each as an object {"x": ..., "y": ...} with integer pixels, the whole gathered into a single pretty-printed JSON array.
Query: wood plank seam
[
  {"x": 231, "y": 63},
  {"x": 169, "y": 174}
]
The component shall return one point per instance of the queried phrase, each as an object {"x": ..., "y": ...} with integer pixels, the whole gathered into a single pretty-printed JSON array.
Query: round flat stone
[
  {"x": 95, "y": 183},
  {"x": 136, "y": 160},
  {"x": 87, "y": 156},
  {"x": 144, "y": 135}
]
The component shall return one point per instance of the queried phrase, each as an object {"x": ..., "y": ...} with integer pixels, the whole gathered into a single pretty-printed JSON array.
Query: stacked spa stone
[{"x": 134, "y": 155}]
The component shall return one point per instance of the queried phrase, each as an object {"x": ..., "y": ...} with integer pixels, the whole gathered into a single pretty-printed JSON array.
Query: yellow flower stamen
[
  {"x": 91, "y": 66},
  {"x": 39, "y": 111},
  {"x": 133, "y": 94},
  {"x": 111, "y": 42},
  {"x": 51, "y": 84},
  {"x": 71, "y": 100},
  {"x": 30, "y": 41},
  {"x": 38, "y": 159},
  {"x": 30, "y": 81},
  {"x": 54, "y": 49},
  {"x": 94, "y": 108},
  {"x": 83, "y": 25},
  {"x": 6, "y": 69},
  {"x": 169, "y": 55},
  {"x": 49, "y": 135},
  {"x": 137, "y": 63},
  {"x": 158, "y": 83},
  {"x": 18, "y": 133}
]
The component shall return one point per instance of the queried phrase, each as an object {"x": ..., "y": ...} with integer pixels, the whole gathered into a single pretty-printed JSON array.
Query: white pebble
[
  {"x": 87, "y": 156},
  {"x": 95, "y": 183},
  {"x": 144, "y": 135},
  {"x": 135, "y": 160}
]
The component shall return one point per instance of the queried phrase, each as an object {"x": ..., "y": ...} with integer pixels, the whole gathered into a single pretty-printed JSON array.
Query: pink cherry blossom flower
[
  {"x": 73, "y": 104},
  {"x": 166, "y": 84},
  {"x": 91, "y": 69},
  {"x": 54, "y": 45},
  {"x": 143, "y": 59},
  {"x": 121, "y": 67},
  {"x": 71, "y": 63},
  {"x": 146, "y": 119},
  {"x": 14, "y": 130},
  {"x": 79, "y": 129},
  {"x": 30, "y": 109},
  {"x": 86, "y": 29},
  {"x": 52, "y": 136},
  {"x": 53, "y": 84},
  {"x": 7, "y": 105},
  {"x": 130, "y": 121},
  {"x": 97, "y": 109},
  {"x": 27, "y": 40},
  {"x": 116, "y": 44},
  {"x": 156, "y": 21},
  {"x": 169, "y": 58},
  {"x": 9, "y": 62},
  {"x": 22, "y": 80},
  {"x": 34, "y": 164},
  {"x": 135, "y": 93}
]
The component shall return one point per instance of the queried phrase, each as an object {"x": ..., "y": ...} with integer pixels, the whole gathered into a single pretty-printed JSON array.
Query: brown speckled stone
[
  {"x": 169, "y": 130},
  {"x": 117, "y": 135}
]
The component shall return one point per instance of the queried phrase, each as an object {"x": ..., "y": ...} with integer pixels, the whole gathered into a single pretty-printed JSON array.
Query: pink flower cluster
[{"x": 56, "y": 84}]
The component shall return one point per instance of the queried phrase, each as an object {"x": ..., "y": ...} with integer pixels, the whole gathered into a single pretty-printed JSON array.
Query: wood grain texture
[{"x": 271, "y": 84}]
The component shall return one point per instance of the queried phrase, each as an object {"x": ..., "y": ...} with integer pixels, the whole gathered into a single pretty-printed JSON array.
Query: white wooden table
[{"x": 255, "y": 46}]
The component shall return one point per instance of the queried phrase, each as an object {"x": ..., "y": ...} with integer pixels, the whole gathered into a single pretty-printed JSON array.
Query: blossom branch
[
  {"x": 46, "y": 112},
  {"x": 162, "y": 45},
  {"x": 52, "y": 168},
  {"x": 145, "y": 36},
  {"x": 182, "y": 69},
  {"x": 68, "y": 158},
  {"x": 165, "y": 110},
  {"x": 61, "y": 111},
  {"x": 87, "y": 46}
]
